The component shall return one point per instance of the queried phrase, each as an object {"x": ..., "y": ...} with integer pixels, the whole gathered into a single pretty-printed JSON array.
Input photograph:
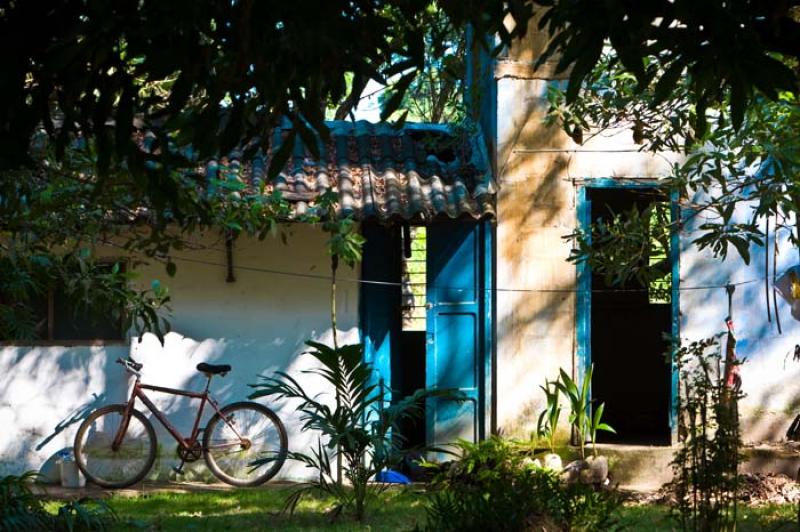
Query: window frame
[{"x": 50, "y": 341}]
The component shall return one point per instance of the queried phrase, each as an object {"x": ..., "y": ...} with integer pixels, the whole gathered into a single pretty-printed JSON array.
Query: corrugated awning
[{"x": 417, "y": 173}]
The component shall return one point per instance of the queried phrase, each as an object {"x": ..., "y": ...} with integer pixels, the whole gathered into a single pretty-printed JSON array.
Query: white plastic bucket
[{"x": 71, "y": 476}]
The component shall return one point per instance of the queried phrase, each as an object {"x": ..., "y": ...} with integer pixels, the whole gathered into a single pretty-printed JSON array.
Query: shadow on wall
[
  {"x": 770, "y": 373},
  {"x": 76, "y": 416},
  {"x": 537, "y": 163},
  {"x": 45, "y": 392}
]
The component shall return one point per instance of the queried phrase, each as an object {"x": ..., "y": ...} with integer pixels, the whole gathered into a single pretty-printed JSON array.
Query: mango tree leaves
[{"x": 727, "y": 48}]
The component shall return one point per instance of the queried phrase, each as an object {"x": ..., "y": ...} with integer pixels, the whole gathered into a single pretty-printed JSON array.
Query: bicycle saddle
[{"x": 213, "y": 369}]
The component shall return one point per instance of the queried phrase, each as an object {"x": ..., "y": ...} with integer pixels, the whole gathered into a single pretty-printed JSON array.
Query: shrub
[
  {"x": 494, "y": 486},
  {"x": 357, "y": 429},
  {"x": 21, "y": 509},
  {"x": 705, "y": 466}
]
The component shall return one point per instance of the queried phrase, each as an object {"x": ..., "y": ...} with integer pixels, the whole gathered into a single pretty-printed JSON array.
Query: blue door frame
[
  {"x": 460, "y": 253},
  {"x": 584, "y": 299}
]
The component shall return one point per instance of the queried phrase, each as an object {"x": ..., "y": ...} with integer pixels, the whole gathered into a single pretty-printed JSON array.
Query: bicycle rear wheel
[
  {"x": 246, "y": 432},
  {"x": 106, "y": 467}
]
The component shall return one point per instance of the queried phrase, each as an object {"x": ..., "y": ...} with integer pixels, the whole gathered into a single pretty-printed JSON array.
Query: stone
[
  {"x": 553, "y": 462},
  {"x": 597, "y": 470},
  {"x": 572, "y": 472}
]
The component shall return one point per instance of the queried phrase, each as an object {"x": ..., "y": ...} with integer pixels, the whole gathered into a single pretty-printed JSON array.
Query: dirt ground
[{"x": 756, "y": 489}]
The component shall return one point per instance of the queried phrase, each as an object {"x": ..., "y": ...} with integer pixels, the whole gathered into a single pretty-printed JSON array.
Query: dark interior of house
[
  {"x": 408, "y": 375},
  {"x": 382, "y": 259},
  {"x": 632, "y": 375}
]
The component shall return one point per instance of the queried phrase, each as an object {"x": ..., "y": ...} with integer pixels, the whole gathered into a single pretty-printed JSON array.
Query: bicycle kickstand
[{"x": 178, "y": 470}]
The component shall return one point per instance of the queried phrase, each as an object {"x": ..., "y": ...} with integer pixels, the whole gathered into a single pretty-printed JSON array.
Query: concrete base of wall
[
  {"x": 638, "y": 467},
  {"x": 644, "y": 468}
]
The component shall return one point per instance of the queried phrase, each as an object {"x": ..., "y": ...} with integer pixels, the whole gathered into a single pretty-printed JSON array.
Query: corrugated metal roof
[{"x": 419, "y": 172}]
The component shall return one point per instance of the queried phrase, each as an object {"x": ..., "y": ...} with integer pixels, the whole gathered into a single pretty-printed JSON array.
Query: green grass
[
  {"x": 399, "y": 509},
  {"x": 772, "y": 518},
  {"x": 257, "y": 509}
]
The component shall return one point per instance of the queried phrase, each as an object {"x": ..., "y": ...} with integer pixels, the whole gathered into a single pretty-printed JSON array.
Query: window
[
  {"x": 61, "y": 321},
  {"x": 413, "y": 281}
]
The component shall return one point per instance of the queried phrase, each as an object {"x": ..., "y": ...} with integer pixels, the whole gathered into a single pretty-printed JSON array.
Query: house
[
  {"x": 464, "y": 284},
  {"x": 254, "y": 303}
]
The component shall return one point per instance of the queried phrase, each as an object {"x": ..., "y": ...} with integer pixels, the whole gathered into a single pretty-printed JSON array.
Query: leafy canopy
[
  {"x": 729, "y": 50},
  {"x": 105, "y": 69}
]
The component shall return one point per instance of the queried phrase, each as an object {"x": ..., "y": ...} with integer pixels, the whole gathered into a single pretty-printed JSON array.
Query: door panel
[
  {"x": 454, "y": 331},
  {"x": 380, "y": 303}
]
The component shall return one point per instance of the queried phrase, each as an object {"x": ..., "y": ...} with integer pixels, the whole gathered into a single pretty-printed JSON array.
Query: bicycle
[{"x": 115, "y": 446}]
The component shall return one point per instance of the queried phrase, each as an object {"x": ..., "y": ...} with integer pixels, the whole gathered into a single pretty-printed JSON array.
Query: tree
[
  {"x": 730, "y": 51},
  {"x": 714, "y": 80},
  {"x": 106, "y": 70},
  {"x": 755, "y": 165},
  {"x": 436, "y": 94},
  {"x": 108, "y": 107}
]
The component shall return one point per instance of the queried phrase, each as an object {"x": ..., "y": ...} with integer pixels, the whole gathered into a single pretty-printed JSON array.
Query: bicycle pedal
[{"x": 178, "y": 470}]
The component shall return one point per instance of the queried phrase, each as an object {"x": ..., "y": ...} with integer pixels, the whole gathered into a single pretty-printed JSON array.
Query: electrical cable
[{"x": 400, "y": 284}]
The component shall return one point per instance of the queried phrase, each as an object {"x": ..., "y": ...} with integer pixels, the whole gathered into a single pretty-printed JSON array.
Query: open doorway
[
  {"x": 426, "y": 322},
  {"x": 632, "y": 375},
  {"x": 393, "y": 314},
  {"x": 408, "y": 362}
]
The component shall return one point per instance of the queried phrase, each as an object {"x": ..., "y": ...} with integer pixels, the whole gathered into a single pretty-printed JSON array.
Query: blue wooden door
[
  {"x": 459, "y": 309},
  {"x": 380, "y": 296}
]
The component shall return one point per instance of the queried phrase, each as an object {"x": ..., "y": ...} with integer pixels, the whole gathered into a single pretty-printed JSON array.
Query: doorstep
[{"x": 647, "y": 468}]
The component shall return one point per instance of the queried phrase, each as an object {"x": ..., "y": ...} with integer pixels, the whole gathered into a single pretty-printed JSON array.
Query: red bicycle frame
[{"x": 185, "y": 443}]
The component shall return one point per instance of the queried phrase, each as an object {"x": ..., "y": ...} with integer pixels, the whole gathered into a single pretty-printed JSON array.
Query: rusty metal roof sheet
[{"x": 418, "y": 172}]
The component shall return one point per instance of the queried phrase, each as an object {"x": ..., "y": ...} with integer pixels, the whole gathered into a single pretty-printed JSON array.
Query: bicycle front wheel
[
  {"x": 100, "y": 462},
  {"x": 245, "y": 433}
]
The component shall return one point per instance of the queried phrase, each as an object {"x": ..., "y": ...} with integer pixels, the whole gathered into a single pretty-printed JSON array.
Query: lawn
[
  {"x": 399, "y": 509},
  {"x": 257, "y": 509}
]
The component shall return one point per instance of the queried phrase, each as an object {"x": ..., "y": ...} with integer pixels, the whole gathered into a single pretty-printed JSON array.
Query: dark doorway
[
  {"x": 393, "y": 314},
  {"x": 425, "y": 322},
  {"x": 632, "y": 375}
]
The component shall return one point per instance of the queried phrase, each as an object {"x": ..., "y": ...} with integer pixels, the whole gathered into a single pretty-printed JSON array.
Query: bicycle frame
[{"x": 184, "y": 443}]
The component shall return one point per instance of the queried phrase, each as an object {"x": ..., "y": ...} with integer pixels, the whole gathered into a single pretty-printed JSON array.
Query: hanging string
[
  {"x": 394, "y": 284},
  {"x": 766, "y": 267},
  {"x": 775, "y": 279}
]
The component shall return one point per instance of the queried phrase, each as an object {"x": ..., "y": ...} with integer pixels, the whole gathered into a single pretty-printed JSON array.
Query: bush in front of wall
[
  {"x": 22, "y": 510},
  {"x": 493, "y": 487},
  {"x": 354, "y": 425},
  {"x": 705, "y": 465}
]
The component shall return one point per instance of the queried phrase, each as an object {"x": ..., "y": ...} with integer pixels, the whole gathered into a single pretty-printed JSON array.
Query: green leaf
[
  {"x": 398, "y": 91},
  {"x": 742, "y": 246},
  {"x": 606, "y": 427}
]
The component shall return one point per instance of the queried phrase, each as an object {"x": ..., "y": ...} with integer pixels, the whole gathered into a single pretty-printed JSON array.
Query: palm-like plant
[
  {"x": 578, "y": 397},
  {"x": 580, "y": 416},
  {"x": 598, "y": 425},
  {"x": 357, "y": 427},
  {"x": 548, "y": 420}
]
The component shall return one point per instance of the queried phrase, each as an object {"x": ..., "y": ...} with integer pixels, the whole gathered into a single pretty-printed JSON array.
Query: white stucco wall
[
  {"x": 769, "y": 373},
  {"x": 258, "y": 324},
  {"x": 539, "y": 170}
]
